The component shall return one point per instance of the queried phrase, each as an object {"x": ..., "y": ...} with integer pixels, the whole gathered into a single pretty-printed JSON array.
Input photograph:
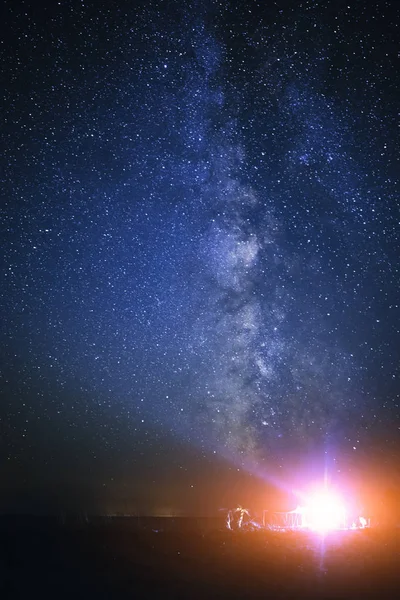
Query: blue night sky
[{"x": 200, "y": 233}]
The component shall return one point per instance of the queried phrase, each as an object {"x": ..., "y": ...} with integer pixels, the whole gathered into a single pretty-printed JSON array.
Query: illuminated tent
[{"x": 293, "y": 519}]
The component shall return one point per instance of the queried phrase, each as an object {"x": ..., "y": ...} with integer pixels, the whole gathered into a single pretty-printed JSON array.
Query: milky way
[{"x": 200, "y": 224}]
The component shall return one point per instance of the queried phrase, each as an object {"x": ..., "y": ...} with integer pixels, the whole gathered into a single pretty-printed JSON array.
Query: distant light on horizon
[{"x": 325, "y": 511}]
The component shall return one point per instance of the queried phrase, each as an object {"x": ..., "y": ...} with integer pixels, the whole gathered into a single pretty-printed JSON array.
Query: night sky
[{"x": 200, "y": 251}]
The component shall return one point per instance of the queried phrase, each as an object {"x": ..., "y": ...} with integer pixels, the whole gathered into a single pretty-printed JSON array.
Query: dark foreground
[{"x": 119, "y": 558}]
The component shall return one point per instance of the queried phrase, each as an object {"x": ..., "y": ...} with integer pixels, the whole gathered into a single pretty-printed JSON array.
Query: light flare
[{"x": 325, "y": 511}]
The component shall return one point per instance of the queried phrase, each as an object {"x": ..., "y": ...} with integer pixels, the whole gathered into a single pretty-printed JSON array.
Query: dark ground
[{"x": 181, "y": 558}]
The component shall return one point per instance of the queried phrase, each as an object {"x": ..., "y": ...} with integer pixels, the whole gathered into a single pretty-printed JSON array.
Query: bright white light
[{"x": 324, "y": 512}]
